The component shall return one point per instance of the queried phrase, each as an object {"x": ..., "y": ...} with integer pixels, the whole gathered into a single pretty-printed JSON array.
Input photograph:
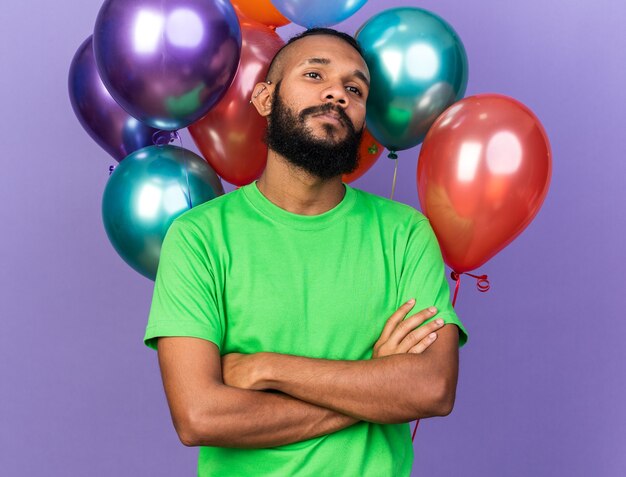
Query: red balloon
[
  {"x": 483, "y": 173},
  {"x": 230, "y": 136},
  {"x": 369, "y": 152}
]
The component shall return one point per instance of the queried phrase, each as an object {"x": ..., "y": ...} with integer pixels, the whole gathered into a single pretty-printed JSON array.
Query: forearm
[
  {"x": 232, "y": 417},
  {"x": 392, "y": 389}
]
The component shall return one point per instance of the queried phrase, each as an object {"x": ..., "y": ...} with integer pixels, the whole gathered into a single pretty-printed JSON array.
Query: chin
[{"x": 330, "y": 133}]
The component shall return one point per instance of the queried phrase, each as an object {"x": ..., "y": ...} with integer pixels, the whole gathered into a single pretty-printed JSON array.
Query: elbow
[
  {"x": 443, "y": 399},
  {"x": 187, "y": 438},
  {"x": 186, "y": 428},
  {"x": 192, "y": 432}
]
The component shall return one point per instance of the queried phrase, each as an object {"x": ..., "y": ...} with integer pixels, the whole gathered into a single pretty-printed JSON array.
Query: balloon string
[
  {"x": 417, "y": 423},
  {"x": 394, "y": 156},
  {"x": 189, "y": 203},
  {"x": 482, "y": 283},
  {"x": 162, "y": 138}
]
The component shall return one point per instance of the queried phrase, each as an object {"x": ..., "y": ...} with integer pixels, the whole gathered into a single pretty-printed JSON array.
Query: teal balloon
[
  {"x": 418, "y": 68},
  {"x": 145, "y": 193}
]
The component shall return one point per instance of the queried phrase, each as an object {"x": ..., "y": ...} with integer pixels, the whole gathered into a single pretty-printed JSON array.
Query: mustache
[{"x": 326, "y": 108}]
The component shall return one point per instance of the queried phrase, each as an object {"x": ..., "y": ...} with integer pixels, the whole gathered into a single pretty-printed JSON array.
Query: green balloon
[
  {"x": 145, "y": 193},
  {"x": 418, "y": 68}
]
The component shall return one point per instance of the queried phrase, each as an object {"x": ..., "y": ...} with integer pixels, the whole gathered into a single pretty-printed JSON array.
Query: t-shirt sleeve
[
  {"x": 423, "y": 276},
  {"x": 186, "y": 300}
]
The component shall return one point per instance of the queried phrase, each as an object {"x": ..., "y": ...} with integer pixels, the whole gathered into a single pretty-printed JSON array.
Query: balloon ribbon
[
  {"x": 417, "y": 423},
  {"x": 392, "y": 155},
  {"x": 482, "y": 283},
  {"x": 162, "y": 138}
]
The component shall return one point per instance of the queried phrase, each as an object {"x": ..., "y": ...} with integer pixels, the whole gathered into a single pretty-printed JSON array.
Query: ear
[{"x": 262, "y": 98}]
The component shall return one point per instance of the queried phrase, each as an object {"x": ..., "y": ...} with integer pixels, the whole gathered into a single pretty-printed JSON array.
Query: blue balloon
[
  {"x": 317, "y": 13},
  {"x": 145, "y": 193},
  {"x": 418, "y": 68}
]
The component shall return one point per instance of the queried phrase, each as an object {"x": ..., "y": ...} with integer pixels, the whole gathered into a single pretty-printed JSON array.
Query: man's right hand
[{"x": 401, "y": 336}]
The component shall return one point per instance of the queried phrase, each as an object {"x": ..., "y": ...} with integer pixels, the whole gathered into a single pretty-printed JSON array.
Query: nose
[{"x": 337, "y": 94}]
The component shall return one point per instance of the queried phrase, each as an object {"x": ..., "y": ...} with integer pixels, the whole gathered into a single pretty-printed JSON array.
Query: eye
[
  {"x": 312, "y": 74},
  {"x": 355, "y": 90}
]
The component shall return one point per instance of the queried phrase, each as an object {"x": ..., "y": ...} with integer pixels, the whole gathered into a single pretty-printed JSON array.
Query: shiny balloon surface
[
  {"x": 230, "y": 136},
  {"x": 369, "y": 152},
  {"x": 145, "y": 193},
  {"x": 418, "y": 68},
  {"x": 167, "y": 63},
  {"x": 317, "y": 13},
  {"x": 116, "y": 131},
  {"x": 261, "y": 11},
  {"x": 483, "y": 173}
]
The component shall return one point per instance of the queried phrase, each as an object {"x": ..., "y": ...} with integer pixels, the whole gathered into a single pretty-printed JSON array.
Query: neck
[{"x": 296, "y": 191}]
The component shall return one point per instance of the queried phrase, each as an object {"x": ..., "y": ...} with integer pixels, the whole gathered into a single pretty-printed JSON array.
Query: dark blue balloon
[{"x": 116, "y": 131}]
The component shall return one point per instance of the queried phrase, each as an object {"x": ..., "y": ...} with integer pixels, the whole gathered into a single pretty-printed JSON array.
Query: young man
[{"x": 279, "y": 308}]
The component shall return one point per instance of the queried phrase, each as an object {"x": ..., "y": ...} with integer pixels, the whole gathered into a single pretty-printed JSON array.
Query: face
[
  {"x": 320, "y": 70},
  {"x": 318, "y": 106}
]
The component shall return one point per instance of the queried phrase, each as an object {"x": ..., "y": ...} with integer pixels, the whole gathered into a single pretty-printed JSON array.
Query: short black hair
[{"x": 312, "y": 32}]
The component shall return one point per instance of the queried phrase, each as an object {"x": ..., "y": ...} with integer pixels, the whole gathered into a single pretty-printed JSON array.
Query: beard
[{"x": 288, "y": 135}]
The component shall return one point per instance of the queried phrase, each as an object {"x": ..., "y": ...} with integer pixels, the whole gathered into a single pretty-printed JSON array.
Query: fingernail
[
  {"x": 439, "y": 321},
  {"x": 432, "y": 336},
  {"x": 411, "y": 301},
  {"x": 432, "y": 309}
]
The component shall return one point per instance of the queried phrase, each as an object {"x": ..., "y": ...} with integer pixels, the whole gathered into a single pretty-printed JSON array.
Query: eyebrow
[{"x": 325, "y": 61}]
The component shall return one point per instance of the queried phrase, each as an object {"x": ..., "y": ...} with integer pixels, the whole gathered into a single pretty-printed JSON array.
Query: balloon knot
[
  {"x": 482, "y": 283},
  {"x": 162, "y": 138},
  {"x": 392, "y": 155},
  {"x": 111, "y": 169}
]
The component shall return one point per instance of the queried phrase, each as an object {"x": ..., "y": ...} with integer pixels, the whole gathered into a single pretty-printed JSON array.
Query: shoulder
[
  {"x": 208, "y": 214},
  {"x": 390, "y": 210}
]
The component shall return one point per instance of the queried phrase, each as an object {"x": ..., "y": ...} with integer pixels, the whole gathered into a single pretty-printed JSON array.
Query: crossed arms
[{"x": 222, "y": 401}]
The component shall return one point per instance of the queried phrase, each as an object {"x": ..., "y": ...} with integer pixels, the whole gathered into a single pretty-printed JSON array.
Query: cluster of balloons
[
  {"x": 485, "y": 164},
  {"x": 153, "y": 67}
]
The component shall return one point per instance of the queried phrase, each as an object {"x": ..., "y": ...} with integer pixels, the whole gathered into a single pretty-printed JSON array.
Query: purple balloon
[
  {"x": 167, "y": 62},
  {"x": 105, "y": 121}
]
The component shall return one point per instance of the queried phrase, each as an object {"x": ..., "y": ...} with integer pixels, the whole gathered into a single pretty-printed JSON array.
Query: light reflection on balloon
[
  {"x": 469, "y": 155},
  {"x": 147, "y": 30},
  {"x": 183, "y": 28},
  {"x": 504, "y": 153},
  {"x": 422, "y": 62}
]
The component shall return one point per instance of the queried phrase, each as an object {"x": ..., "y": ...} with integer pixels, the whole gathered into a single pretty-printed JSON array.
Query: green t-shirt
[{"x": 249, "y": 276}]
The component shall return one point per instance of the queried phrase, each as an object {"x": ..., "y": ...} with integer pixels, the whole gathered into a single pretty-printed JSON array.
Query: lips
[{"x": 330, "y": 116}]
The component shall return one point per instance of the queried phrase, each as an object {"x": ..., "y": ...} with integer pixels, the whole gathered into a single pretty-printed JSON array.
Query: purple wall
[{"x": 543, "y": 379}]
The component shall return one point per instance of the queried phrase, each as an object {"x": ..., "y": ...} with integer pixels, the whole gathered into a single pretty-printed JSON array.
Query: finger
[
  {"x": 418, "y": 335},
  {"x": 394, "y": 319},
  {"x": 422, "y": 345},
  {"x": 405, "y": 327}
]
